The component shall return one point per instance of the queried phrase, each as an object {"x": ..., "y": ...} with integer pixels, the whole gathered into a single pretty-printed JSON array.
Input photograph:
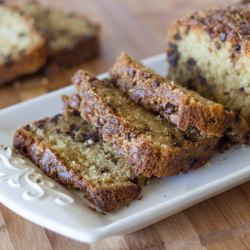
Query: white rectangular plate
[{"x": 29, "y": 193}]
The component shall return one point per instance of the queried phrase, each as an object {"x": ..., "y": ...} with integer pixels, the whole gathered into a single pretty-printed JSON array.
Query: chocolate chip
[
  {"x": 190, "y": 84},
  {"x": 155, "y": 84},
  {"x": 211, "y": 120},
  {"x": 146, "y": 129},
  {"x": 71, "y": 134},
  {"x": 172, "y": 46},
  {"x": 131, "y": 72},
  {"x": 176, "y": 144},
  {"x": 133, "y": 180},
  {"x": 177, "y": 36},
  {"x": 114, "y": 160},
  {"x": 40, "y": 124},
  {"x": 20, "y": 11},
  {"x": 73, "y": 127},
  {"x": 193, "y": 162},
  {"x": 112, "y": 126},
  {"x": 237, "y": 48},
  {"x": 176, "y": 141},
  {"x": 245, "y": 29},
  {"x": 202, "y": 80},
  {"x": 191, "y": 62},
  {"x": 55, "y": 118},
  {"x": 192, "y": 134},
  {"x": 58, "y": 131},
  {"x": 138, "y": 94},
  {"x": 129, "y": 136},
  {"x": 104, "y": 170},
  {"x": 227, "y": 109},
  {"x": 170, "y": 109},
  {"x": 100, "y": 121},
  {"x": 237, "y": 117},
  {"x": 76, "y": 113},
  {"x": 21, "y": 34},
  {"x": 145, "y": 74},
  {"x": 173, "y": 59},
  {"x": 211, "y": 32},
  {"x": 27, "y": 127},
  {"x": 242, "y": 91},
  {"x": 223, "y": 36},
  {"x": 91, "y": 136},
  {"x": 8, "y": 61}
]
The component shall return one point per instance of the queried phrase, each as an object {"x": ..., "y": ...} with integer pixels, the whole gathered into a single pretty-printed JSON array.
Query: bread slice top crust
[
  {"x": 19, "y": 40},
  {"x": 154, "y": 146},
  {"x": 70, "y": 150},
  {"x": 185, "y": 108},
  {"x": 227, "y": 24},
  {"x": 64, "y": 31}
]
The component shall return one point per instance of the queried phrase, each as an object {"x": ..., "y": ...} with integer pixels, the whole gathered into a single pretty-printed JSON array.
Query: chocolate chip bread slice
[
  {"x": 69, "y": 150},
  {"x": 209, "y": 52},
  {"x": 185, "y": 108},
  {"x": 22, "y": 48},
  {"x": 152, "y": 145},
  {"x": 72, "y": 39}
]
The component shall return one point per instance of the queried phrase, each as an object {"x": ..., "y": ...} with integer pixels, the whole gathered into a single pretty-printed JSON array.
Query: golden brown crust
[
  {"x": 141, "y": 152},
  {"x": 185, "y": 108},
  {"x": 228, "y": 24},
  {"x": 105, "y": 199}
]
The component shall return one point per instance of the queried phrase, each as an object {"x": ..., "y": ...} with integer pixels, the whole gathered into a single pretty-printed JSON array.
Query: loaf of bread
[
  {"x": 152, "y": 145},
  {"x": 183, "y": 107},
  {"x": 69, "y": 150},
  {"x": 22, "y": 48},
  {"x": 209, "y": 52},
  {"x": 72, "y": 39}
]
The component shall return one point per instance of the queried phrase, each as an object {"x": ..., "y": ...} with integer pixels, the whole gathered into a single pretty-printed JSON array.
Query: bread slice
[
  {"x": 153, "y": 146},
  {"x": 22, "y": 48},
  {"x": 183, "y": 107},
  {"x": 70, "y": 151},
  {"x": 209, "y": 52},
  {"x": 72, "y": 39}
]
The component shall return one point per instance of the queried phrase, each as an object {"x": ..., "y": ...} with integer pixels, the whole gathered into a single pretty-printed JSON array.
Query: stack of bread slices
[
  {"x": 32, "y": 36},
  {"x": 116, "y": 134}
]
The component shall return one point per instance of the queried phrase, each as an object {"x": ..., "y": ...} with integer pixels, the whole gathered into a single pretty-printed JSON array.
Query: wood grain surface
[{"x": 138, "y": 27}]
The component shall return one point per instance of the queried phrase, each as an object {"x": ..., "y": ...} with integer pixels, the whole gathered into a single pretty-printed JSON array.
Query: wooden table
[{"x": 138, "y": 27}]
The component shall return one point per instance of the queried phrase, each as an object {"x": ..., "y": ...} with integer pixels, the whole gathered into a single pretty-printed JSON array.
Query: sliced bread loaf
[
  {"x": 152, "y": 145},
  {"x": 69, "y": 150},
  {"x": 209, "y": 52},
  {"x": 22, "y": 48},
  {"x": 72, "y": 39},
  {"x": 183, "y": 107}
]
